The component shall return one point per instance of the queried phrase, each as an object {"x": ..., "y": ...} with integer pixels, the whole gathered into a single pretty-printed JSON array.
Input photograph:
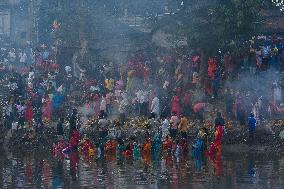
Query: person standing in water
[
  {"x": 216, "y": 146},
  {"x": 219, "y": 120},
  {"x": 252, "y": 126}
]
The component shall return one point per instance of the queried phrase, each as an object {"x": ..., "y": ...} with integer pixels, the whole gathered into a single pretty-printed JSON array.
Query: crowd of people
[{"x": 167, "y": 88}]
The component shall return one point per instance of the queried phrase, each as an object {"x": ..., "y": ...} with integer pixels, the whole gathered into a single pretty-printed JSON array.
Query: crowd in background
[{"x": 159, "y": 84}]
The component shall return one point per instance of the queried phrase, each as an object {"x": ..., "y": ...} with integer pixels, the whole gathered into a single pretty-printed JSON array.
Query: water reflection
[{"x": 42, "y": 171}]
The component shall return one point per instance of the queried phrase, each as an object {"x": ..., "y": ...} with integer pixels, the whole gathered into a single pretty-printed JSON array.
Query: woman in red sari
[
  {"x": 214, "y": 153},
  {"x": 216, "y": 146}
]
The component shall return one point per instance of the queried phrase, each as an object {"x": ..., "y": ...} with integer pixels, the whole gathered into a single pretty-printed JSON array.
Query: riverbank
[
  {"x": 26, "y": 140},
  {"x": 267, "y": 141},
  {"x": 235, "y": 140}
]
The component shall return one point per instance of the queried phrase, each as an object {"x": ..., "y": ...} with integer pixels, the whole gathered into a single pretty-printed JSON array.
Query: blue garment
[
  {"x": 45, "y": 55},
  {"x": 156, "y": 143},
  {"x": 252, "y": 124},
  {"x": 56, "y": 181},
  {"x": 273, "y": 60},
  {"x": 197, "y": 153},
  {"x": 197, "y": 150},
  {"x": 136, "y": 152},
  {"x": 198, "y": 164},
  {"x": 57, "y": 100}
]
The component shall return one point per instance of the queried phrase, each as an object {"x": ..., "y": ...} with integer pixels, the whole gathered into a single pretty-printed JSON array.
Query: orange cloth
[{"x": 183, "y": 126}]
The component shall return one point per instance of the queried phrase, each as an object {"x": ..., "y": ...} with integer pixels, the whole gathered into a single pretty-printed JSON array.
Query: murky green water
[{"x": 42, "y": 171}]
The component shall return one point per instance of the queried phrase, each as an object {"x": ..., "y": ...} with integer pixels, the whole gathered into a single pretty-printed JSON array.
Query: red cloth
[
  {"x": 110, "y": 146},
  {"x": 214, "y": 153},
  {"x": 219, "y": 135},
  {"x": 55, "y": 66},
  {"x": 61, "y": 145},
  {"x": 195, "y": 58},
  {"x": 198, "y": 107},
  {"x": 74, "y": 160},
  {"x": 168, "y": 144},
  {"x": 217, "y": 144},
  {"x": 216, "y": 161},
  {"x": 29, "y": 112},
  {"x": 212, "y": 66},
  {"x": 175, "y": 107},
  {"x": 128, "y": 153},
  {"x": 74, "y": 141},
  {"x": 87, "y": 145}
]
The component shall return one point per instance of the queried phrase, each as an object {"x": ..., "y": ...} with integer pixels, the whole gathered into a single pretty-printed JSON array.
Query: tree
[
  {"x": 217, "y": 23},
  {"x": 210, "y": 25}
]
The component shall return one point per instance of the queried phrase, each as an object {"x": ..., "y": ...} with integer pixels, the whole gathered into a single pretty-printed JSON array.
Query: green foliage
[
  {"x": 207, "y": 24},
  {"x": 215, "y": 24}
]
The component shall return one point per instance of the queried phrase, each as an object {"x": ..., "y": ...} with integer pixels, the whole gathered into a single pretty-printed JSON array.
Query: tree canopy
[
  {"x": 207, "y": 24},
  {"x": 215, "y": 24}
]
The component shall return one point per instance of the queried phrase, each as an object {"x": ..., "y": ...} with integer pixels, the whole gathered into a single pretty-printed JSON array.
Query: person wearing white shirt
[
  {"x": 123, "y": 104},
  {"x": 165, "y": 128},
  {"x": 103, "y": 105},
  {"x": 142, "y": 97},
  {"x": 12, "y": 55},
  {"x": 155, "y": 107},
  {"x": 23, "y": 58}
]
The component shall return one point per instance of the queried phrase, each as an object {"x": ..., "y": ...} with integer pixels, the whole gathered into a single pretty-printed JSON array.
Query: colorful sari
[
  {"x": 216, "y": 146},
  {"x": 46, "y": 110}
]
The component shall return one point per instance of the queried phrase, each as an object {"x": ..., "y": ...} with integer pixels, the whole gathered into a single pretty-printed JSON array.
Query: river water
[{"x": 41, "y": 170}]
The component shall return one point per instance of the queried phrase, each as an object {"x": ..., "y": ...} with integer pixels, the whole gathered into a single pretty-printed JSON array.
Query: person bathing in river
[
  {"x": 252, "y": 126},
  {"x": 219, "y": 121},
  {"x": 216, "y": 146},
  {"x": 73, "y": 143},
  {"x": 200, "y": 144}
]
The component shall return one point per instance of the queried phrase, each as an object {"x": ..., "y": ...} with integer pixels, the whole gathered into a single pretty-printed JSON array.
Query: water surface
[{"x": 41, "y": 170}]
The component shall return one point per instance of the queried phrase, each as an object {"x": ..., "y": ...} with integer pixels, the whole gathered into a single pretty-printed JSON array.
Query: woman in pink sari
[
  {"x": 175, "y": 106},
  {"x": 46, "y": 109}
]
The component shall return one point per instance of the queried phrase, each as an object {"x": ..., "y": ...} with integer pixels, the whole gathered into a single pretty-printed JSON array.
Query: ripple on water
[{"x": 43, "y": 171}]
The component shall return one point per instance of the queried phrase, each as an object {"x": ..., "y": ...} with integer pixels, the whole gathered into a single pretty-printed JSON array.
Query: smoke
[{"x": 255, "y": 85}]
